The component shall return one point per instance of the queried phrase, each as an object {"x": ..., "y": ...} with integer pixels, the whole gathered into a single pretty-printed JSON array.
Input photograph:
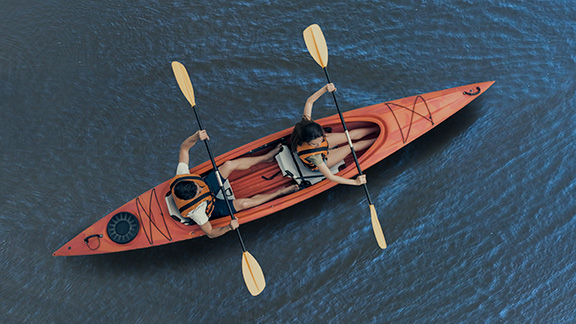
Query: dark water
[{"x": 478, "y": 214}]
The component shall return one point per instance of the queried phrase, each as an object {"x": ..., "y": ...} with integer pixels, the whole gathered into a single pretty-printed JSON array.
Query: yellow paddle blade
[
  {"x": 377, "y": 228},
  {"x": 184, "y": 81},
  {"x": 316, "y": 44},
  {"x": 252, "y": 273}
]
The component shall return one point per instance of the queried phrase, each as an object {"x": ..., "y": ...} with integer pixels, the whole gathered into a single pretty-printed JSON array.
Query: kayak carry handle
[
  {"x": 87, "y": 239},
  {"x": 470, "y": 93}
]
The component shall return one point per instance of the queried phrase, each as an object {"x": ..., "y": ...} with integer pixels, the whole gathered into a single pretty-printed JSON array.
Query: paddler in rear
[
  {"x": 318, "y": 150},
  {"x": 199, "y": 198}
]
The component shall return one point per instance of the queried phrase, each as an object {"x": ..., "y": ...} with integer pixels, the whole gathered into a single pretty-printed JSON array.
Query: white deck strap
[{"x": 292, "y": 166}]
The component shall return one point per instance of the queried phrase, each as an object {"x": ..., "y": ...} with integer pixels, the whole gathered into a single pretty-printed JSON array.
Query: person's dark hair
[
  {"x": 305, "y": 131},
  {"x": 185, "y": 190}
]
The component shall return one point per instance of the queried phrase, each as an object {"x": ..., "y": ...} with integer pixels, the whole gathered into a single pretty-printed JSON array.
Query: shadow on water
[
  {"x": 428, "y": 145},
  {"x": 149, "y": 257},
  {"x": 393, "y": 180},
  {"x": 446, "y": 132}
]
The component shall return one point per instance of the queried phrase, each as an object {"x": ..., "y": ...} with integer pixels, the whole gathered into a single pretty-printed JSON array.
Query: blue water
[{"x": 478, "y": 214}]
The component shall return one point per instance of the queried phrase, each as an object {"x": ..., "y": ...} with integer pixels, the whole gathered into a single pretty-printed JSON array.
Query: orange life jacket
[
  {"x": 186, "y": 206},
  {"x": 306, "y": 150}
]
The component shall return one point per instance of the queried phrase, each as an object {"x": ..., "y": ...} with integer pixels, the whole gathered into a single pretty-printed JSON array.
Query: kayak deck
[{"x": 148, "y": 219}]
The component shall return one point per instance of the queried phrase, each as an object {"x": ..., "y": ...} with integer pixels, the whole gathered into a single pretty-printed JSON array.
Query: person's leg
[
  {"x": 335, "y": 139},
  {"x": 360, "y": 133},
  {"x": 338, "y": 154},
  {"x": 364, "y": 144},
  {"x": 246, "y": 163},
  {"x": 245, "y": 203}
]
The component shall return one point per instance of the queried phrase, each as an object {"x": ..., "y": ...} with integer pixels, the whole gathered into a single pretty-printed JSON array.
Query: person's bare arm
[
  {"x": 185, "y": 147},
  {"x": 338, "y": 179},
  {"x": 212, "y": 232},
  {"x": 310, "y": 102}
]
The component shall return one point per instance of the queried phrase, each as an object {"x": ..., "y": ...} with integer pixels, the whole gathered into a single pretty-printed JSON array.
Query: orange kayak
[{"x": 147, "y": 220}]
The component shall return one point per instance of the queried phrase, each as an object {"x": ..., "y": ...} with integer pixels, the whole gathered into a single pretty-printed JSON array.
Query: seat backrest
[{"x": 293, "y": 167}]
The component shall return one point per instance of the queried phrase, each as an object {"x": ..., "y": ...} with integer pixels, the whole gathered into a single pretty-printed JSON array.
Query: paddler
[
  {"x": 319, "y": 150},
  {"x": 199, "y": 198}
]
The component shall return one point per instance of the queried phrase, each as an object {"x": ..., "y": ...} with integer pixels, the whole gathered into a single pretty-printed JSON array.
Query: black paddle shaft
[
  {"x": 219, "y": 178},
  {"x": 348, "y": 134}
]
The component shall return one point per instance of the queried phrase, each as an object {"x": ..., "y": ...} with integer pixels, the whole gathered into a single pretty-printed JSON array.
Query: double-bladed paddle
[
  {"x": 316, "y": 45},
  {"x": 251, "y": 270}
]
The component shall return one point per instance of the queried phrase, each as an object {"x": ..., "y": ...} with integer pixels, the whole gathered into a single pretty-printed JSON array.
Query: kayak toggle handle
[
  {"x": 87, "y": 240},
  {"x": 470, "y": 93}
]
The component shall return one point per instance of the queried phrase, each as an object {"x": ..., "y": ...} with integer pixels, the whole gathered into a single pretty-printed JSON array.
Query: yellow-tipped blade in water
[
  {"x": 377, "y": 228},
  {"x": 184, "y": 82},
  {"x": 252, "y": 273},
  {"x": 316, "y": 44}
]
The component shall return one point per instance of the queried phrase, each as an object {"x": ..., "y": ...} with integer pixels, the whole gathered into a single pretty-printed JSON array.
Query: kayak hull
[{"x": 145, "y": 221}]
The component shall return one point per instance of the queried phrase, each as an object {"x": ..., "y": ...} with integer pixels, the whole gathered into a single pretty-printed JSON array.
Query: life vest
[
  {"x": 306, "y": 150},
  {"x": 186, "y": 206}
]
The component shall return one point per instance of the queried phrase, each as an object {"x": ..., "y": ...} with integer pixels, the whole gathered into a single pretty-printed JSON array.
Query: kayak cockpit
[{"x": 287, "y": 168}]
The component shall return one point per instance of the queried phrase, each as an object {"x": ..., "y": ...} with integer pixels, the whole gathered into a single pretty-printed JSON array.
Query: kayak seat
[
  {"x": 174, "y": 212},
  {"x": 291, "y": 166}
]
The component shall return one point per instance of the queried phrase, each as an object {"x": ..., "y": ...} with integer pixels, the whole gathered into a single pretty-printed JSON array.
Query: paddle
[
  {"x": 251, "y": 270},
  {"x": 316, "y": 45}
]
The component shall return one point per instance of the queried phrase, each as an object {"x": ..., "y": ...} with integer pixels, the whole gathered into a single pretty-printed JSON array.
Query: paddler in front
[
  {"x": 199, "y": 198},
  {"x": 318, "y": 150}
]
